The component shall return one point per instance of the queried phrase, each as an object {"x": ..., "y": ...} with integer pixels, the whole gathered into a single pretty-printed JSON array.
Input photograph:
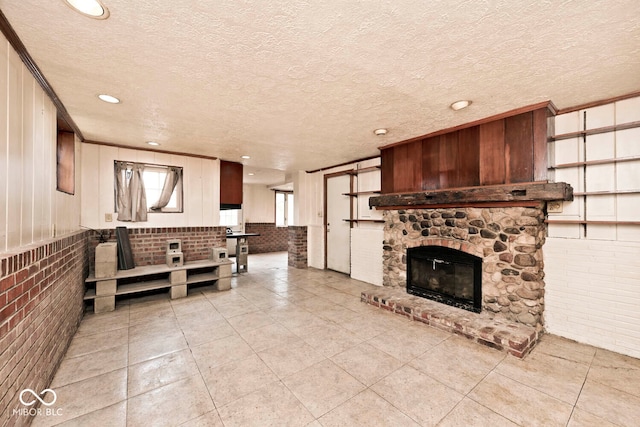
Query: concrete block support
[
  {"x": 178, "y": 291},
  {"x": 106, "y": 260},
  {"x": 104, "y": 304},
  {"x": 106, "y": 287}
]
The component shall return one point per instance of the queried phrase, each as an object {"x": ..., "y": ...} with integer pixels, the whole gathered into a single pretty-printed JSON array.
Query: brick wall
[
  {"x": 149, "y": 244},
  {"x": 41, "y": 290},
  {"x": 271, "y": 238},
  {"x": 297, "y": 246}
]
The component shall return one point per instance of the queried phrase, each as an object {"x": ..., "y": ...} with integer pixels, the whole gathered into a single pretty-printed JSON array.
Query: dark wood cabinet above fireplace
[{"x": 506, "y": 149}]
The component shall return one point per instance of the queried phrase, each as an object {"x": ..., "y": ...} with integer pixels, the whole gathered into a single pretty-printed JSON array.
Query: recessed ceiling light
[
  {"x": 251, "y": 174},
  {"x": 380, "y": 132},
  {"x": 153, "y": 143},
  {"x": 91, "y": 8},
  {"x": 108, "y": 98},
  {"x": 459, "y": 105},
  {"x": 246, "y": 157}
]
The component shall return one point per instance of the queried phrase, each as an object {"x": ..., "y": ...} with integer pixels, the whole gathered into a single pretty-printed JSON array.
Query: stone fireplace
[
  {"x": 503, "y": 227},
  {"x": 508, "y": 240}
]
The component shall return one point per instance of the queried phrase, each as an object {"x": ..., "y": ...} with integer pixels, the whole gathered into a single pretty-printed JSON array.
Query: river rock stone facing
[{"x": 509, "y": 240}]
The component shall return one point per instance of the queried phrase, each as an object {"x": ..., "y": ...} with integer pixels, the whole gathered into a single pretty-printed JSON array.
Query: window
[
  {"x": 284, "y": 209},
  {"x": 230, "y": 217},
  {"x": 154, "y": 178},
  {"x": 145, "y": 187}
]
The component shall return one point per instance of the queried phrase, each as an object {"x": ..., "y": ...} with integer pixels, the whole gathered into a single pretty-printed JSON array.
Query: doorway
[{"x": 338, "y": 231}]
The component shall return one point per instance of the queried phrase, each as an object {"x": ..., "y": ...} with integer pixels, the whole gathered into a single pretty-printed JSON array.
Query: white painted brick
[
  {"x": 622, "y": 248},
  {"x": 630, "y": 351},
  {"x": 593, "y": 291},
  {"x": 630, "y": 233},
  {"x": 628, "y": 316},
  {"x": 315, "y": 246},
  {"x": 366, "y": 254},
  {"x": 630, "y": 274},
  {"x": 627, "y": 290}
]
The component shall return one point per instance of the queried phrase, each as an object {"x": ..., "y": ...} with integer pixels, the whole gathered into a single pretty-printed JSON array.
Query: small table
[{"x": 242, "y": 250}]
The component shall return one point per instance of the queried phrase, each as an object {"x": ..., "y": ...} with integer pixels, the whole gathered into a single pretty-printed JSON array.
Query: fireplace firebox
[{"x": 445, "y": 275}]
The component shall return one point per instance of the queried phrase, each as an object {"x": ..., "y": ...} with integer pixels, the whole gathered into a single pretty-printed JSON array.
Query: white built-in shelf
[
  {"x": 605, "y": 193},
  {"x": 595, "y": 162},
  {"x": 606, "y": 129},
  {"x": 590, "y": 222}
]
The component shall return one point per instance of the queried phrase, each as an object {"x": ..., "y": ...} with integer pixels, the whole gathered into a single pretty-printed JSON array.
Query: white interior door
[{"x": 338, "y": 230}]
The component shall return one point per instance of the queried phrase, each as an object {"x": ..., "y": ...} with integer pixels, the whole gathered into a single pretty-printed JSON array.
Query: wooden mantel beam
[{"x": 525, "y": 192}]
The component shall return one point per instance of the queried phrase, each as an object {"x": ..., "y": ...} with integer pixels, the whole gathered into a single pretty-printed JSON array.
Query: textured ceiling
[{"x": 301, "y": 85}]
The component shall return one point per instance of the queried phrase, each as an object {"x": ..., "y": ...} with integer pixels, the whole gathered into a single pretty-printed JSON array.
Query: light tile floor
[{"x": 291, "y": 347}]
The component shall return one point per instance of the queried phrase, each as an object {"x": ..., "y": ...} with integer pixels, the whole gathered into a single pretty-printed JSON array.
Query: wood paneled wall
[
  {"x": 31, "y": 210},
  {"x": 201, "y": 187},
  {"x": 505, "y": 149}
]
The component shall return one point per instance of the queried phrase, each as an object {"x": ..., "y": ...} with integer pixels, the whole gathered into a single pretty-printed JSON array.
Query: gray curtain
[
  {"x": 132, "y": 200},
  {"x": 123, "y": 202},
  {"x": 170, "y": 181}
]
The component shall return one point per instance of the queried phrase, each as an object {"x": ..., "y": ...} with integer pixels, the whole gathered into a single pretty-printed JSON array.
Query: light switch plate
[{"x": 108, "y": 217}]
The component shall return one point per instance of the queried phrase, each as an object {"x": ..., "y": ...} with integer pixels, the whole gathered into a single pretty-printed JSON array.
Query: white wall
[
  {"x": 258, "y": 203},
  {"x": 315, "y": 246},
  {"x": 201, "y": 188},
  {"x": 593, "y": 292},
  {"x": 366, "y": 237},
  {"x": 366, "y": 254},
  {"x": 308, "y": 189},
  {"x": 31, "y": 209},
  {"x": 592, "y": 271}
]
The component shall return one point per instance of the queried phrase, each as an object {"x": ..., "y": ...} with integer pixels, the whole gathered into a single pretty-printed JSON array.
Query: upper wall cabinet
[
  {"x": 505, "y": 149},
  {"x": 230, "y": 184}
]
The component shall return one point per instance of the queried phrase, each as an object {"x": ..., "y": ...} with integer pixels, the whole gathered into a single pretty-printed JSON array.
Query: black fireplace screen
[{"x": 445, "y": 275}]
